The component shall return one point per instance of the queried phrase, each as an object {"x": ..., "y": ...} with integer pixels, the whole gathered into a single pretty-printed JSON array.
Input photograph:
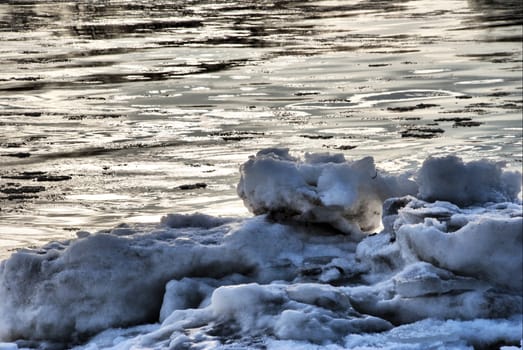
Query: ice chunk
[
  {"x": 412, "y": 297},
  {"x": 441, "y": 334},
  {"x": 493, "y": 249},
  {"x": 8, "y": 346},
  {"x": 420, "y": 279},
  {"x": 184, "y": 294},
  {"x": 324, "y": 189},
  {"x": 311, "y": 312},
  {"x": 450, "y": 179},
  {"x": 108, "y": 280},
  {"x": 442, "y": 261},
  {"x": 379, "y": 256},
  {"x": 97, "y": 282}
]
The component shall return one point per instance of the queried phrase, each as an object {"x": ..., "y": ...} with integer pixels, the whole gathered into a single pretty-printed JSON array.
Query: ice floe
[{"x": 309, "y": 270}]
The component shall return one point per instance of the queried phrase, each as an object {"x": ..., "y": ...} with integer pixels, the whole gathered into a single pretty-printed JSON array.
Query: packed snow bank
[
  {"x": 66, "y": 291},
  {"x": 312, "y": 312},
  {"x": 215, "y": 282}
]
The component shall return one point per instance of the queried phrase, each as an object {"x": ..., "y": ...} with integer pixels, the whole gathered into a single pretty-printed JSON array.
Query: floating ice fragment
[
  {"x": 8, "y": 346},
  {"x": 450, "y": 179},
  {"x": 443, "y": 334},
  {"x": 486, "y": 248},
  {"x": 310, "y": 312},
  {"x": 324, "y": 188}
]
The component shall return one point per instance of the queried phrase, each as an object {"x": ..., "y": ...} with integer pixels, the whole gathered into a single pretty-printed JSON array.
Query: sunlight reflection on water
[{"x": 123, "y": 101}]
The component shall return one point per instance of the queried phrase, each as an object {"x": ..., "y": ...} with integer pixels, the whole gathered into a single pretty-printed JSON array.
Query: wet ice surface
[
  {"x": 445, "y": 271},
  {"x": 107, "y": 108}
]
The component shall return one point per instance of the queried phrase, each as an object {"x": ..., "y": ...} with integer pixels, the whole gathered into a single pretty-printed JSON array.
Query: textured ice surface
[
  {"x": 441, "y": 274},
  {"x": 450, "y": 179},
  {"x": 323, "y": 189}
]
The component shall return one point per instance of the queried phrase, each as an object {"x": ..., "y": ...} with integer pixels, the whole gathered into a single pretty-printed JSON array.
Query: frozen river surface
[{"x": 108, "y": 109}]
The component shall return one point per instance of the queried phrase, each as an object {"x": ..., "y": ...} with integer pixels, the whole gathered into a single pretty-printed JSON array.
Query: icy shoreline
[{"x": 445, "y": 270}]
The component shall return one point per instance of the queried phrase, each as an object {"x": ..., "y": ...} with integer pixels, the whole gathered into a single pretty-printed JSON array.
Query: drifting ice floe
[
  {"x": 323, "y": 189},
  {"x": 299, "y": 274}
]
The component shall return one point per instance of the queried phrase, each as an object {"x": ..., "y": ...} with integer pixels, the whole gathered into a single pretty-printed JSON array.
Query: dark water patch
[
  {"x": 340, "y": 147},
  {"x": 110, "y": 31},
  {"x": 195, "y": 186},
  {"x": 237, "y": 135},
  {"x": 407, "y": 95},
  {"x": 23, "y": 79},
  {"x": 12, "y": 144},
  {"x": 99, "y": 151},
  {"x": 34, "y": 15},
  {"x": 412, "y": 108},
  {"x": 455, "y": 119},
  {"x": 21, "y": 197},
  {"x": 25, "y": 175},
  {"x": 317, "y": 137},
  {"x": 407, "y": 118},
  {"x": 492, "y": 14},
  {"x": 482, "y": 105},
  {"x": 306, "y": 93},
  {"x": 177, "y": 71},
  {"x": 87, "y": 64},
  {"x": 466, "y": 124},
  {"x": 511, "y": 105},
  {"x": 17, "y": 192},
  {"x": 42, "y": 60},
  {"x": 495, "y": 22},
  {"x": 53, "y": 178},
  {"x": 236, "y": 138},
  {"x": 343, "y": 10},
  {"x": 47, "y": 58},
  {"x": 421, "y": 132},
  {"x": 93, "y": 116},
  {"x": 494, "y": 57},
  {"x": 34, "y": 138},
  {"x": 25, "y": 87},
  {"x": 21, "y": 113},
  {"x": 505, "y": 39},
  {"x": 17, "y": 155},
  {"x": 396, "y": 52},
  {"x": 478, "y": 111},
  {"x": 499, "y": 94}
]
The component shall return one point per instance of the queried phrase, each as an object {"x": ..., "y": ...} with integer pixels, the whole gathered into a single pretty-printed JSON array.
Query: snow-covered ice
[
  {"x": 324, "y": 188},
  {"x": 309, "y": 270}
]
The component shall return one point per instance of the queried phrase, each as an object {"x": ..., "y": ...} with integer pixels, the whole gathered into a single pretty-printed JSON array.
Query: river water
[{"x": 124, "y": 111}]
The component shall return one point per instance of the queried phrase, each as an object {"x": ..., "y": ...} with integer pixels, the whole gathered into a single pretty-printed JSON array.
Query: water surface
[{"x": 123, "y": 111}]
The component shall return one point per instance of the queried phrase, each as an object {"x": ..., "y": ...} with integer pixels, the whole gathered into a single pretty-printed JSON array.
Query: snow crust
[{"x": 444, "y": 272}]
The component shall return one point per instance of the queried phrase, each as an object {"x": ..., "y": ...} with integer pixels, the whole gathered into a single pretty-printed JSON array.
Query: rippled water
[{"x": 108, "y": 109}]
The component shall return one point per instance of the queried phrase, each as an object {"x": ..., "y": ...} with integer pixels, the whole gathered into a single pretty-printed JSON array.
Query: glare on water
[{"x": 109, "y": 108}]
